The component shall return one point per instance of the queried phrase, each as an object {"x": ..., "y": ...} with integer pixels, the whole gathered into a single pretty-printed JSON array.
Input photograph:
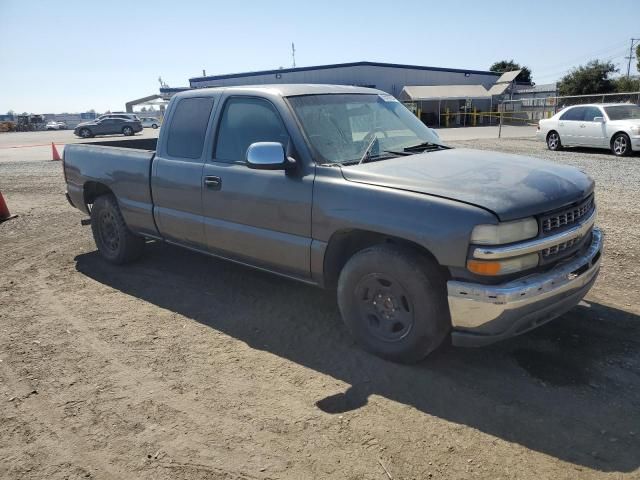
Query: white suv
[{"x": 615, "y": 126}]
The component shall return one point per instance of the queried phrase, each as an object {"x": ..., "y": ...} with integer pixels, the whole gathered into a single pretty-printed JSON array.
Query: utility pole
[
  {"x": 630, "y": 57},
  {"x": 293, "y": 54}
]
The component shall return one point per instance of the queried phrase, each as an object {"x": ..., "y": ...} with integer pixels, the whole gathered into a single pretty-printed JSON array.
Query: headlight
[
  {"x": 506, "y": 232},
  {"x": 635, "y": 129},
  {"x": 503, "y": 267}
]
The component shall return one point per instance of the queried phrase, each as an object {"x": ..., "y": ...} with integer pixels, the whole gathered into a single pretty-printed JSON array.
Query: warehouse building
[{"x": 437, "y": 95}]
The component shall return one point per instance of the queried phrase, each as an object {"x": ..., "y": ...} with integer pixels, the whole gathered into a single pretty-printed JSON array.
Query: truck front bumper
[{"x": 483, "y": 314}]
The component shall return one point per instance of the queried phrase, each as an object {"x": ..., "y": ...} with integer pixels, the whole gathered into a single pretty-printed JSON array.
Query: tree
[
  {"x": 11, "y": 113},
  {"x": 592, "y": 78},
  {"x": 508, "y": 66},
  {"x": 627, "y": 84}
]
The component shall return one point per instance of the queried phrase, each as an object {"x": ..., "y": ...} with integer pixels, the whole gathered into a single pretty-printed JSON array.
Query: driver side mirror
[
  {"x": 268, "y": 156},
  {"x": 598, "y": 119}
]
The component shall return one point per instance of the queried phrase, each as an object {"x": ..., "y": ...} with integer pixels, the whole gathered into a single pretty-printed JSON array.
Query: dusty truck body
[{"x": 342, "y": 187}]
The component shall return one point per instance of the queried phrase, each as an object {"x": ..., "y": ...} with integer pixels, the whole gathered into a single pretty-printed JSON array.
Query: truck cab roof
[{"x": 283, "y": 90}]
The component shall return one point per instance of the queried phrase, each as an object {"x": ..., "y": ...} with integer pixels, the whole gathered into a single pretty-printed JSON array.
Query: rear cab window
[{"x": 188, "y": 127}]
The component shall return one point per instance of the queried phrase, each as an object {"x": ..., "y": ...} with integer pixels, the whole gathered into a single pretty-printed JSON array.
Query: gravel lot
[{"x": 186, "y": 367}]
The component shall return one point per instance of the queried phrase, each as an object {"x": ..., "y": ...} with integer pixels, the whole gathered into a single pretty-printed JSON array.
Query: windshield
[
  {"x": 623, "y": 112},
  {"x": 345, "y": 128}
]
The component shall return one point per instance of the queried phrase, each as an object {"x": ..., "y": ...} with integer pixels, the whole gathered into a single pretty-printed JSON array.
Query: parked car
[
  {"x": 108, "y": 126},
  {"x": 615, "y": 126},
  {"x": 150, "y": 122},
  {"x": 62, "y": 125},
  {"x": 343, "y": 187},
  {"x": 52, "y": 125}
]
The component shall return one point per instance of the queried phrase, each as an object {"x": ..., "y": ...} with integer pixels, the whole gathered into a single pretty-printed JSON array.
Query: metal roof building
[{"x": 389, "y": 77}]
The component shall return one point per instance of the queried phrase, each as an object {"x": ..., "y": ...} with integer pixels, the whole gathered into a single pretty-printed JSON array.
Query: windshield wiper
[
  {"x": 423, "y": 146},
  {"x": 367, "y": 151}
]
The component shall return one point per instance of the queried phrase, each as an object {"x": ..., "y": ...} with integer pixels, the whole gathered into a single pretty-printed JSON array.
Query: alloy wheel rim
[
  {"x": 553, "y": 141},
  {"x": 385, "y": 307},
  {"x": 620, "y": 145}
]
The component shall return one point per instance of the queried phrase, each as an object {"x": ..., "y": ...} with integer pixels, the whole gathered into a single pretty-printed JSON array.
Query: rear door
[
  {"x": 569, "y": 126},
  {"x": 176, "y": 180},
  {"x": 262, "y": 217}
]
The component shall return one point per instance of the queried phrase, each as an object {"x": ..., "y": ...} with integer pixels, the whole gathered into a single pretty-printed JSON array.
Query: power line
[
  {"x": 557, "y": 73},
  {"x": 613, "y": 47}
]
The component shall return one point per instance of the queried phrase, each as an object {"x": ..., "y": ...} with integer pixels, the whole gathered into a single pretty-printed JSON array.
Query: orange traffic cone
[
  {"x": 54, "y": 152},
  {"x": 4, "y": 210}
]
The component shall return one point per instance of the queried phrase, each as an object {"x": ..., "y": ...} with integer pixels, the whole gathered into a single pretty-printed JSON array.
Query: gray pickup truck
[{"x": 342, "y": 187}]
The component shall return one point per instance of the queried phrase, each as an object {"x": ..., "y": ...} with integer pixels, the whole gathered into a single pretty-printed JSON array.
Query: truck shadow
[{"x": 569, "y": 389}]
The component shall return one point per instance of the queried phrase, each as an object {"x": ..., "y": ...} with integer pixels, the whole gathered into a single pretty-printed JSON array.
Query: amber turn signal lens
[{"x": 484, "y": 268}]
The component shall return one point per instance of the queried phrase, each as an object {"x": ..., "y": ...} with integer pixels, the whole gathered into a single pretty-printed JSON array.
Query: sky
[{"x": 72, "y": 56}]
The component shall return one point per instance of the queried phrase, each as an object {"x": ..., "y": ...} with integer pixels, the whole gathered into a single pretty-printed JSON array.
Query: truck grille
[
  {"x": 561, "y": 247},
  {"x": 567, "y": 217}
]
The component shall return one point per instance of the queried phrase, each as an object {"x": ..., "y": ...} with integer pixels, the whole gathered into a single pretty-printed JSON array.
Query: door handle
[
  {"x": 215, "y": 183},
  {"x": 582, "y": 126}
]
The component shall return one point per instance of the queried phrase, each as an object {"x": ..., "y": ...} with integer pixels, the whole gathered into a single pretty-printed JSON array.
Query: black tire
[
  {"x": 553, "y": 141},
  {"x": 127, "y": 131},
  {"x": 154, "y": 126},
  {"x": 115, "y": 242},
  {"x": 394, "y": 302},
  {"x": 621, "y": 145},
  {"x": 85, "y": 133}
]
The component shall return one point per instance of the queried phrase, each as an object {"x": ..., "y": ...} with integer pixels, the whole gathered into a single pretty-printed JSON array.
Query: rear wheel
[
  {"x": 553, "y": 141},
  {"x": 127, "y": 131},
  {"x": 394, "y": 303},
  {"x": 155, "y": 125},
  {"x": 621, "y": 145},
  {"x": 115, "y": 242}
]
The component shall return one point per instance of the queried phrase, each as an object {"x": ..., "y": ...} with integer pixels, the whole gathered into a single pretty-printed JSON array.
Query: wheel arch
[
  {"x": 93, "y": 190},
  {"x": 616, "y": 134},
  {"x": 343, "y": 244},
  {"x": 552, "y": 130}
]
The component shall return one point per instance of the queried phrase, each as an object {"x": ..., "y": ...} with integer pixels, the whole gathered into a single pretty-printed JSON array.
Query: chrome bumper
[{"x": 483, "y": 314}]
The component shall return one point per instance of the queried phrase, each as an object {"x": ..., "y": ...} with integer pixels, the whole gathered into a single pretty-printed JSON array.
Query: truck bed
[
  {"x": 122, "y": 167},
  {"x": 133, "y": 143}
]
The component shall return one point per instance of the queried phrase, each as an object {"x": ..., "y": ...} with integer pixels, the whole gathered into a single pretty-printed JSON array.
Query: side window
[
  {"x": 591, "y": 112},
  {"x": 188, "y": 127},
  {"x": 246, "y": 121},
  {"x": 575, "y": 114}
]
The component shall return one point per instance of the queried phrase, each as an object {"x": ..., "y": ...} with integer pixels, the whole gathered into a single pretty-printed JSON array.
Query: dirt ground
[{"x": 185, "y": 367}]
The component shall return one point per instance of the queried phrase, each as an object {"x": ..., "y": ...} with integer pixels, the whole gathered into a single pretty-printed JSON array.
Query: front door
[{"x": 262, "y": 217}]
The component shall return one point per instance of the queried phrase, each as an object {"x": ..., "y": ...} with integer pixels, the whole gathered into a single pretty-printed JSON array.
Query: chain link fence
[{"x": 528, "y": 111}]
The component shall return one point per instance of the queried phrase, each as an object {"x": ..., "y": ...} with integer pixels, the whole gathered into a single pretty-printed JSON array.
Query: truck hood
[{"x": 510, "y": 186}]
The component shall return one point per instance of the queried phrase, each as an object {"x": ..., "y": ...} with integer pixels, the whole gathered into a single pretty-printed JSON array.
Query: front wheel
[
  {"x": 115, "y": 242},
  {"x": 621, "y": 145},
  {"x": 127, "y": 131},
  {"x": 154, "y": 126},
  {"x": 553, "y": 141},
  {"x": 85, "y": 133},
  {"x": 394, "y": 303}
]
